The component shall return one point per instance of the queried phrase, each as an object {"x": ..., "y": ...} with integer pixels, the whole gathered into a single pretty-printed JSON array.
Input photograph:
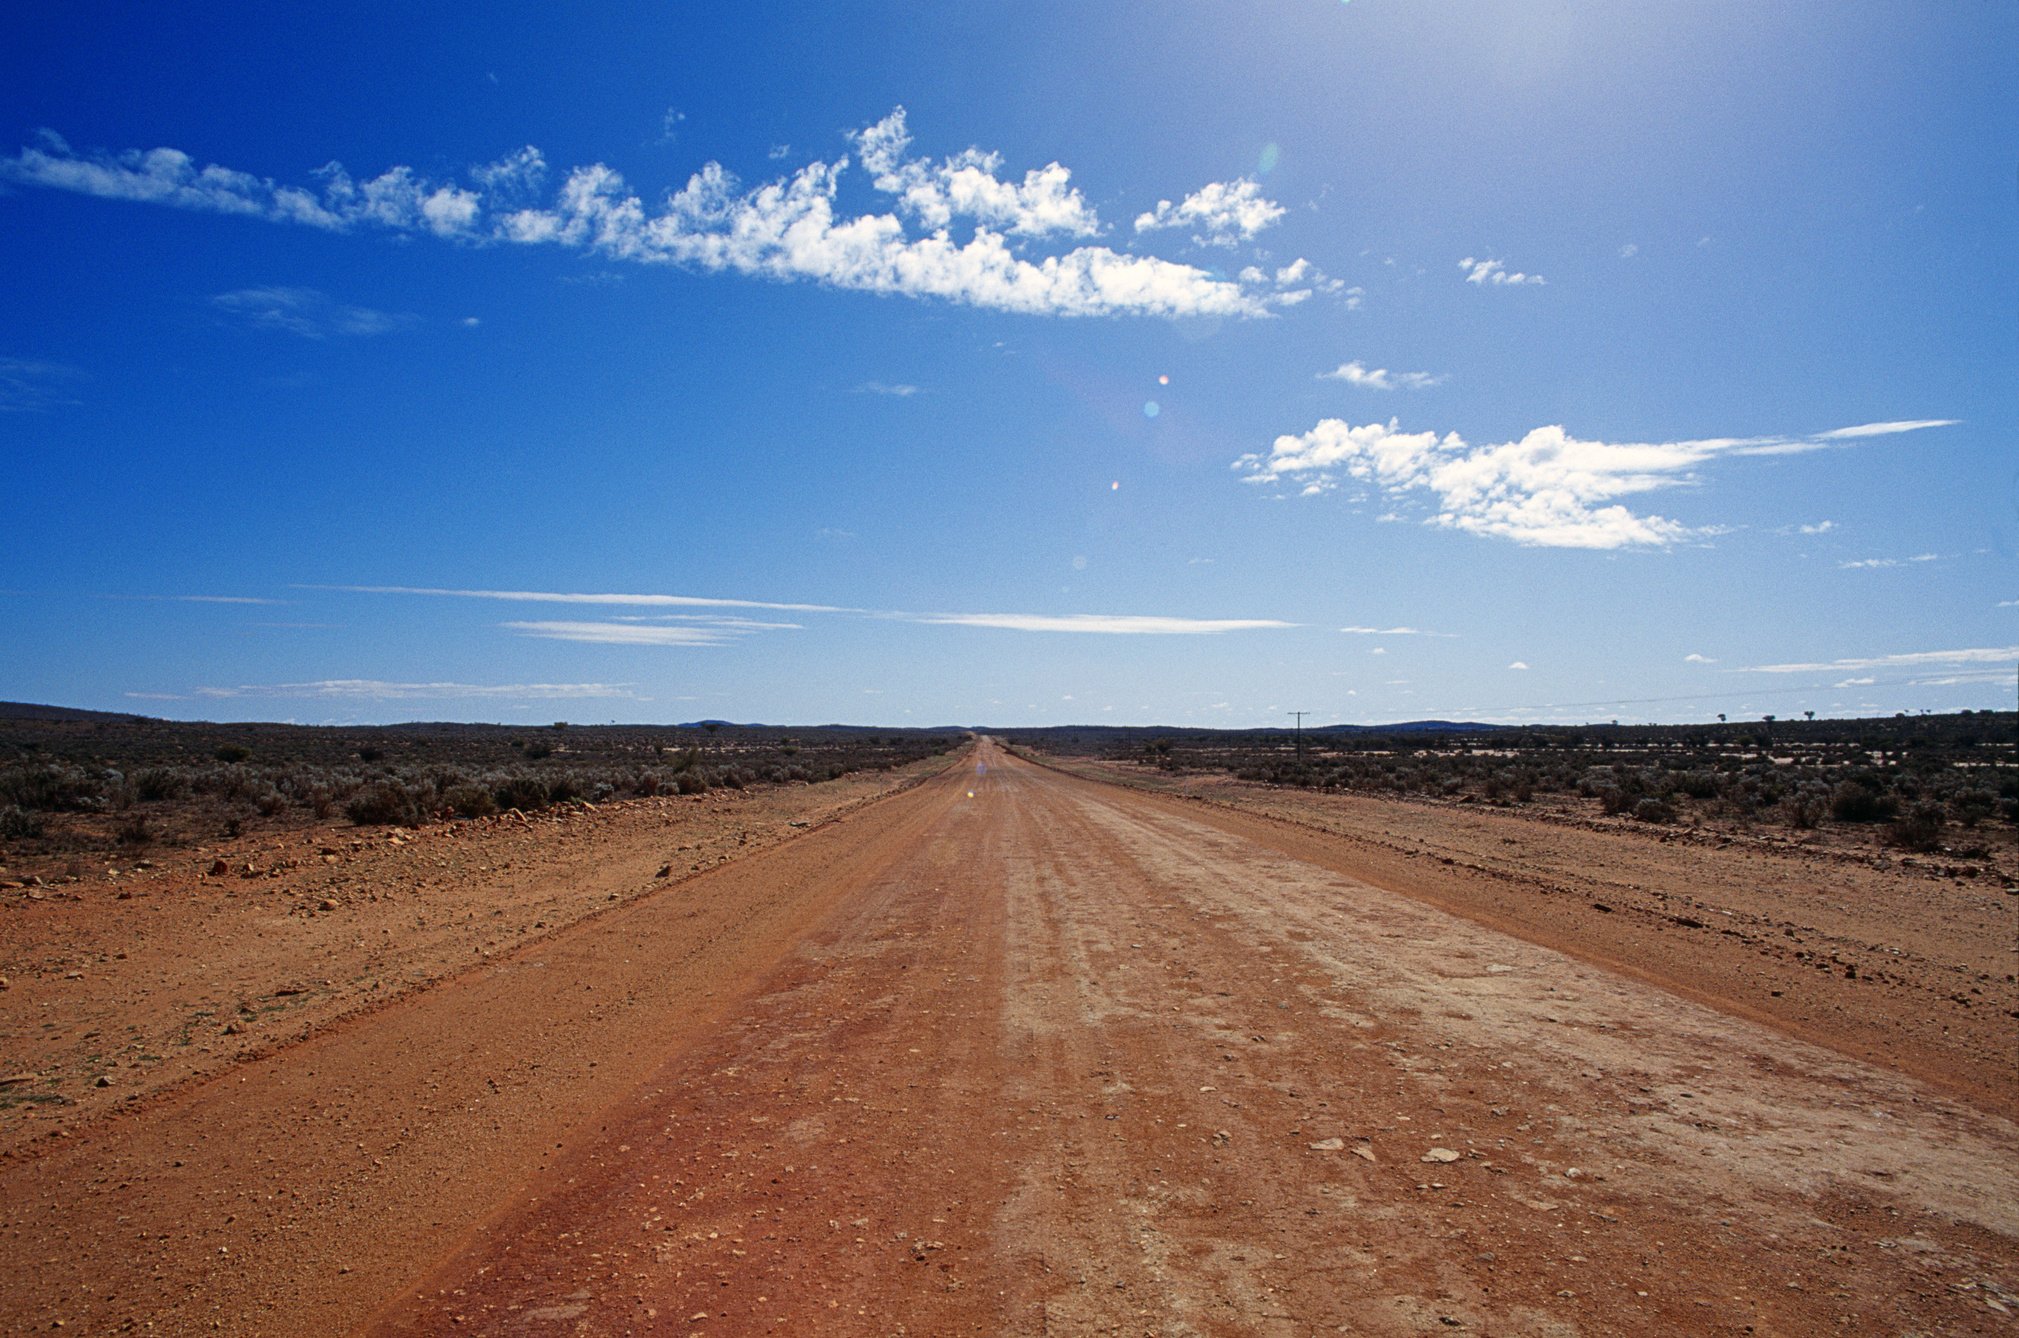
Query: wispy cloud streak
[
  {"x": 1100, "y": 623},
  {"x": 2001, "y": 655},
  {"x": 566, "y": 597}
]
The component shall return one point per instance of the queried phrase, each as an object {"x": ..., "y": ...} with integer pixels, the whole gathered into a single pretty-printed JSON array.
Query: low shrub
[
  {"x": 18, "y": 824},
  {"x": 469, "y": 801},
  {"x": 387, "y": 803},
  {"x": 1919, "y": 828},
  {"x": 520, "y": 791},
  {"x": 1859, "y": 800}
]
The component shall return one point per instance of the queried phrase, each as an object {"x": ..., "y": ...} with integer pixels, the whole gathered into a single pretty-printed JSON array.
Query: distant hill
[
  {"x": 32, "y": 711},
  {"x": 1409, "y": 727}
]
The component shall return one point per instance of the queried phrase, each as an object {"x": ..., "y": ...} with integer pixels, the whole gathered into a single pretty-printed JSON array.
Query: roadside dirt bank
[
  {"x": 1894, "y": 959},
  {"x": 135, "y": 980}
]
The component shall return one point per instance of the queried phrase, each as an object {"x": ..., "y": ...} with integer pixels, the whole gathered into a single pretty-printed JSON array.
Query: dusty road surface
[{"x": 1019, "y": 1052}]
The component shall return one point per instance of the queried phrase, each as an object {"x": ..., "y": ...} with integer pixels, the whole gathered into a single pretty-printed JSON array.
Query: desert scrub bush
[
  {"x": 1653, "y": 809},
  {"x": 1919, "y": 828},
  {"x": 154, "y": 784},
  {"x": 232, "y": 752},
  {"x": 134, "y": 831},
  {"x": 1698, "y": 784},
  {"x": 385, "y": 803},
  {"x": 51, "y": 788},
  {"x": 1859, "y": 799},
  {"x": 18, "y": 824},
  {"x": 469, "y": 801},
  {"x": 1973, "y": 806},
  {"x": 521, "y": 791},
  {"x": 691, "y": 781},
  {"x": 1803, "y": 809}
]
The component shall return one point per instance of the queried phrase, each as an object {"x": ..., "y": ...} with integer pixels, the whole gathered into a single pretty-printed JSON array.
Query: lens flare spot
[
  {"x": 1116, "y": 486},
  {"x": 970, "y": 794},
  {"x": 1151, "y": 408},
  {"x": 1270, "y": 156},
  {"x": 1164, "y": 380}
]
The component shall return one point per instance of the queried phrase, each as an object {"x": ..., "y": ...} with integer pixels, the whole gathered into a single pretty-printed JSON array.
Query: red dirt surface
[{"x": 1022, "y": 1052}]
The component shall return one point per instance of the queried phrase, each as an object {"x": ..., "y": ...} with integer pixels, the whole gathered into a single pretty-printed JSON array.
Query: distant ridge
[
  {"x": 1411, "y": 727},
  {"x": 33, "y": 711}
]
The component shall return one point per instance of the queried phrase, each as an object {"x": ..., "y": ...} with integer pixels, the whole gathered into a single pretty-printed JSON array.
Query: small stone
[
  {"x": 1328, "y": 1145},
  {"x": 218, "y": 868},
  {"x": 329, "y": 903},
  {"x": 1440, "y": 1155},
  {"x": 103, "y": 1081},
  {"x": 1365, "y": 1154}
]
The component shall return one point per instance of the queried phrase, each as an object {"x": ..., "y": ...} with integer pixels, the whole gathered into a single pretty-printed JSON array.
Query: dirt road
[{"x": 1018, "y": 1052}]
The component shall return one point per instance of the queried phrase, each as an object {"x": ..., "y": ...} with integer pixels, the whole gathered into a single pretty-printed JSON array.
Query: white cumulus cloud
[
  {"x": 1492, "y": 271},
  {"x": 788, "y": 229},
  {"x": 1221, "y": 213},
  {"x": 967, "y": 185},
  {"x": 1548, "y": 489},
  {"x": 1357, "y": 373}
]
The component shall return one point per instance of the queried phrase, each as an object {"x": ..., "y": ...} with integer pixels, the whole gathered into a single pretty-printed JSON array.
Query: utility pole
[{"x": 1300, "y": 731}]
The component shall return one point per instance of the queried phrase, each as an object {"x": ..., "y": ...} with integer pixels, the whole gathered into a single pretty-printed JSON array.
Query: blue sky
[{"x": 1008, "y": 364}]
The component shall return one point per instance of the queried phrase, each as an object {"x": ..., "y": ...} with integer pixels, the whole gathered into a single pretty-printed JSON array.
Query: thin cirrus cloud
[
  {"x": 787, "y": 229},
  {"x": 1483, "y": 272},
  {"x": 570, "y": 597},
  {"x": 1357, "y": 373},
  {"x": 307, "y": 313},
  {"x": 623, "y": 634},
  {"x": 1547, "y": 490},
  {"x": 35, "y": 385},
  {"x": 1882, "y": 564},
  {"x": 716, "y": 629},
  {"x": 1393, "y": 631},
  {"x": 2003, "y": 656},
  {"x": 1098, "y": 623}
]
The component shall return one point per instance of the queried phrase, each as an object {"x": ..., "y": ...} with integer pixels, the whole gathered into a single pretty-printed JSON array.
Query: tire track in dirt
[
  {"x": 1889, "y": 964},
  {"x": 295, "y": 1193},
  {"x": 1082, "y": 1063}
]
